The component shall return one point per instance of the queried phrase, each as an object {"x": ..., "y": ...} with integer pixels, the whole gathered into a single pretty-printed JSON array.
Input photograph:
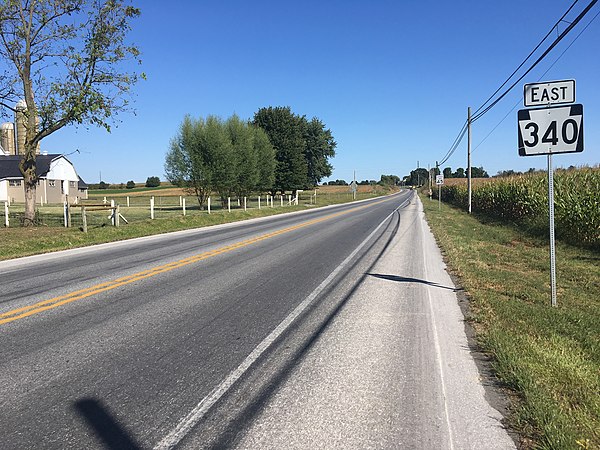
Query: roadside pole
[
  {"x": 551, "y": 213},
  {"x": 439, "y": 180},
  {"x": 469, "y": 186}
]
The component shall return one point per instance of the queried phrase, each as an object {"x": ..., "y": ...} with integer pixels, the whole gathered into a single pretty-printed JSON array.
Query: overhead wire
[
  {"x": 481, "y": 111},
  {"x": 455, "y": 144},
  {"x": 543, "y": 55},
  {"x": 539, "y": 79},
  {"x": 527, "y": 58}
]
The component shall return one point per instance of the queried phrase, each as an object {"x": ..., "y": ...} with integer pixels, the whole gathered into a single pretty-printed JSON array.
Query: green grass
[
  {"x": 550, "y": 357},
  {"x": 17, "y": 242}
]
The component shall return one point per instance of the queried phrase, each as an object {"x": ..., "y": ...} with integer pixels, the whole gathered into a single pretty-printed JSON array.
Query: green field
[{"x": 549, "y": 358}]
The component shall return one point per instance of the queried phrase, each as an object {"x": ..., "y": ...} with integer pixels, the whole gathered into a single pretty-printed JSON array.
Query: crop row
[{"x": 523, "y": 200}]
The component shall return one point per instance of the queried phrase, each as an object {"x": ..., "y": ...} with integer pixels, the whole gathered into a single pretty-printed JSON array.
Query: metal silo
[
  {"x": 20, "y": 123},
  {"x": 7, "y": 138},
  {"x": 20, "y": 119}
]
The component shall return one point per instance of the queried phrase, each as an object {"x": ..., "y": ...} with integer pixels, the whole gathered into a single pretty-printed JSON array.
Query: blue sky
[{"x": 391, "y": 79}]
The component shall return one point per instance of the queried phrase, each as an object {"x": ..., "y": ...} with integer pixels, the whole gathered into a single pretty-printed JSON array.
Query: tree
[
  {"x": 286, "y": 133},
  {"x": 319, "y": 146},
  {"x": 152, "y": 182},
  {"x": 460, "y": 173},
  {"x": 245, "y": 157},
  {"x": 389, "y": 180},
  {"x": 103, "y": 185},
  {"x": 419, "y": 176},
  {"x": 507, "y": 173},
  {"x": 447, "y": 172},
  {"x": 479, "y": 172},
  {"x": 130, "y": 184},
  {"x": 186, "y": 163},
  {"x": 217, "y": 150},
  {"x": 265, "y": 160},
  {"x": 61, "y": 60}
]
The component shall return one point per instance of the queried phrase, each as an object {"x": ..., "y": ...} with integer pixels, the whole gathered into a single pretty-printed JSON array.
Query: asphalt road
[{"x": 334, "y": 328}]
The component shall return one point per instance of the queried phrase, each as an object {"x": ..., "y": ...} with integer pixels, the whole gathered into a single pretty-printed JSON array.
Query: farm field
[{"x": 523, "y": 200}]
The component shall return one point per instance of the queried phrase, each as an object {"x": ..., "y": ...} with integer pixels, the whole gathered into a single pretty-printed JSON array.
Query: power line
[
  {"x": 539, "y": 79},
  {"x": 479, "y": 112},
  {"x": 554, "y": 44},
  {"x": 455, "y": 144},
  {"x": 527, "y": 58}
]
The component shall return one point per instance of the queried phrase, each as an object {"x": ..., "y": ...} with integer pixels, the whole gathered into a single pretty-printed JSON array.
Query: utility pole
[
  {"x": 469, "y": 187},
  {"x": 354, "y": 187},
  {"x": 418, "y": 176}
]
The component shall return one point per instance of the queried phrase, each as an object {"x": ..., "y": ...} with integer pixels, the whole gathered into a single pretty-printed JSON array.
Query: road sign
[
  {"x": 439, "y": 179},
  {"x": 546, "y": 131},
  {"x": 549, "y": 93}
]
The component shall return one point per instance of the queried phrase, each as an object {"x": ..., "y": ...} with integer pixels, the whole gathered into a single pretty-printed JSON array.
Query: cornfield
[{"x": 523, "y": 200}]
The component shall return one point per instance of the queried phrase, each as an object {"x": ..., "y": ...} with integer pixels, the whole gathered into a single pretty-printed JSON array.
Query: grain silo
[
  {"x": 7, "y": 138},
  {"x": 20, "y": 124}
]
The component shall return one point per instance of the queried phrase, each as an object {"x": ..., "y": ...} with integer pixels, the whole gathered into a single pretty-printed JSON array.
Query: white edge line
[
  {"x": 436, "y": 339},
  {"x": 200, "y": 410}
]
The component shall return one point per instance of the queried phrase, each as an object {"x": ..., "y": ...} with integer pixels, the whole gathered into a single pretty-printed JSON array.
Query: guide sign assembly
[{"x": 548, "y": 130}]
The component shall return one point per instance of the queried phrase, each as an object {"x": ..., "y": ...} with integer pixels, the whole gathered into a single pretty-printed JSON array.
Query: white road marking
[
  {"x": 200, "y": 410},
  {"x": 436, "y": 339}
]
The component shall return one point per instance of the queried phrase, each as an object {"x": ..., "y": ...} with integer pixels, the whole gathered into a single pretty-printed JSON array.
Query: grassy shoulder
[
  {"x": 18, "y": 242},
  {"x": 550, "y": 357}
]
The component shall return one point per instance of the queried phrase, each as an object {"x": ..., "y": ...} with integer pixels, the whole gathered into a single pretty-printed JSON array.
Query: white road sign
[
  {"x": 439, "y": 179},
  {"x": 549, "y": 93},
  {"x": 544, "y": 131}
]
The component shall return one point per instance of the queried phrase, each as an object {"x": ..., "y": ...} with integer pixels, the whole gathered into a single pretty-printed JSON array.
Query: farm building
[{"x": 58, "y": 180}]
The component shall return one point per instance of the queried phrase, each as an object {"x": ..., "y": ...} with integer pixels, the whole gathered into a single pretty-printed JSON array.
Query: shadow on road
[
  {"x": 106, "y": 428},
  {"x": 412, "y": 280}
]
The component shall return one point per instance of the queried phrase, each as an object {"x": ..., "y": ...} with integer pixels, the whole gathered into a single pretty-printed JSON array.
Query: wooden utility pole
[{"x": 469, "y": 187}]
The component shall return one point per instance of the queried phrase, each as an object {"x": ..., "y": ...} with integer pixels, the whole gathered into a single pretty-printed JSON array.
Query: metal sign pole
[
  {"x": 439, "y": 197},
  {"x": 551, "y": 212}
]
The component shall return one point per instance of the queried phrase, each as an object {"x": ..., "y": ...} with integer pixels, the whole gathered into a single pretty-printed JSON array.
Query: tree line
[
  {"x": 277, "y": 151},
  {"x": 420, "y": 176}
]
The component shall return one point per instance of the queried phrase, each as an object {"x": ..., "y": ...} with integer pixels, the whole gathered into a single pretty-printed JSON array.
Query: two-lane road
[{"x": 188, "y": 338}]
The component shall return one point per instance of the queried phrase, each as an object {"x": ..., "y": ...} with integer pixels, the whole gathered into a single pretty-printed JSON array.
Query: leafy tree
[
  {"x": 479, "y": 172},
  {"x": 265, "y": 160},
  {"x": 419, "y": 177},
  {"x": 61, "y": 59},
  {"x": 245, "y": 157},
  {"x": 389, "y": 180},
  {"x": 152, "y": 182},
  {"x": 186, "y": 164},
  {"x": 103, "y": 185},
  {"x": 460, "y": 173},
  {"x": 447, "y": 172},
  {"x": 130, "y": 184},
  {"x": 286, "y": 133},
  {"x": 218, "y": 154},
  {"x": 507, "y": 173},
  {"x": 319, "y": 146}
]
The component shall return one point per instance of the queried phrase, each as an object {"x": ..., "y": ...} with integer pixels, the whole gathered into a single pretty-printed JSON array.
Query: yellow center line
[{"x": 36, "y": 308}]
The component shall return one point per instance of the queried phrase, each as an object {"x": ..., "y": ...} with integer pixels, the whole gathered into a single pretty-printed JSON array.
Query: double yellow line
[{"x": 36, "y": 308}]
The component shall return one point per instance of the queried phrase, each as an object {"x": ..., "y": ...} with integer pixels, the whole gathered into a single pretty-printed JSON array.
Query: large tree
[
  {"x": 265, "y": 158},
  {"x": 319, "y": 146},
  {"x": 63, "y": 58},
  {"x": 245, "y": 158},
  {"x": 286, "y": 133},
  {"x": 229, "y": 157}
]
